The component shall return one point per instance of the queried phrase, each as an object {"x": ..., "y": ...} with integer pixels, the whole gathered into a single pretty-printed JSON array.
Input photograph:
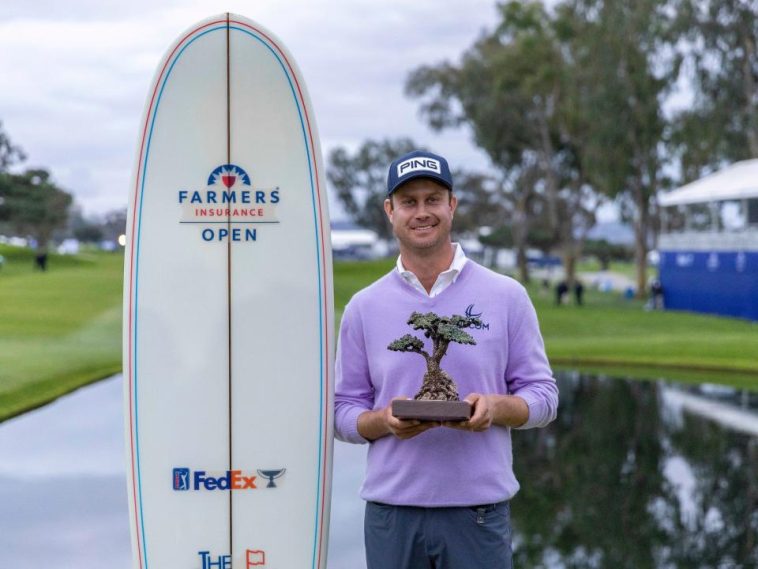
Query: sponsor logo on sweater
[{"x": 471, "y": 312}]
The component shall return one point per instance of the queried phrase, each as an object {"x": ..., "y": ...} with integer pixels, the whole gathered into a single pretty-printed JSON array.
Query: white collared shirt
[{"x": 445, "y": 278}]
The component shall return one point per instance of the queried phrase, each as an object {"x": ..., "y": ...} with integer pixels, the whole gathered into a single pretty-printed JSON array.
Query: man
[{"x": 437, "y": 494}]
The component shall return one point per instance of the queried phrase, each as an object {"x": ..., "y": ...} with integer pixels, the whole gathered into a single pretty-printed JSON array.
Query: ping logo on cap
[{"x": 416, "y": 164}]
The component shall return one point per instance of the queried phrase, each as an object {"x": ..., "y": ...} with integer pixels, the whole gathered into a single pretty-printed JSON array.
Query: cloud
[{"x": 76, "y": 74}]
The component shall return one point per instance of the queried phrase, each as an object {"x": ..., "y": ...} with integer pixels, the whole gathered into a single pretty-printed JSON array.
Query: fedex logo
[
  {"x": 232, "y": 480},
  {"x": 414, "y": 164}
]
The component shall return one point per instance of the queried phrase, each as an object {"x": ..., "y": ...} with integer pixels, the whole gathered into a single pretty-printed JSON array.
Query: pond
[{"x": 632, "y": 474}]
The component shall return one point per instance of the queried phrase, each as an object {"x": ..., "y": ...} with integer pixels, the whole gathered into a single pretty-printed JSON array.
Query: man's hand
[
  {"x": 407, "y": 428},
  {"x": 376, "y": 424},
  {"x": 481, "y": 414},
  {"x": 502, "y": 410}
]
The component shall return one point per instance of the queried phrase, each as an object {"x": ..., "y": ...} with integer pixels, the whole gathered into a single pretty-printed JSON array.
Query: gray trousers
[{"x": 407, "y": 537}]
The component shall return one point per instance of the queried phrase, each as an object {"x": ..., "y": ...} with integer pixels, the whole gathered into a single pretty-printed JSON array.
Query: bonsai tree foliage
[{"x": 437, "y": 385}]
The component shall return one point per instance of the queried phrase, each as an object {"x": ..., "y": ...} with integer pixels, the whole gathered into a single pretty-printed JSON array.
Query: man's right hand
[{"x": 373, "y": 425}]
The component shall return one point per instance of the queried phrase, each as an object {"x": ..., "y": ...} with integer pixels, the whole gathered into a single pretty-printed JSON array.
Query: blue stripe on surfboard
[
  {"x": 136, "y": 282},
  {"x": 320, "y": 294},
  {"x": 318, "y": 265}
]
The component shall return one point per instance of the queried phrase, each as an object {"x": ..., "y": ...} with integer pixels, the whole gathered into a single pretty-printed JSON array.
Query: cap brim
[{"x": 439, "y": 179}]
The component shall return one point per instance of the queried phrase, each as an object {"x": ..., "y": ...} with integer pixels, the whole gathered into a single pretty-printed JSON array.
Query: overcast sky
[{"x": 75, "y": 74}]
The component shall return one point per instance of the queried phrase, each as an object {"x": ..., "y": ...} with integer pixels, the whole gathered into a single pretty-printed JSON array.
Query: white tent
[{"x": 736, "y": 182}]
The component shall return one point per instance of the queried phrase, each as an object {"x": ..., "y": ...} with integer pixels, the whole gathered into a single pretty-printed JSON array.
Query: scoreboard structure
[{"x": 709, "y": 244}]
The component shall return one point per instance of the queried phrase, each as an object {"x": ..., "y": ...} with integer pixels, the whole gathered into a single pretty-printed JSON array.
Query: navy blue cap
[{"x": 418, "y": 164}]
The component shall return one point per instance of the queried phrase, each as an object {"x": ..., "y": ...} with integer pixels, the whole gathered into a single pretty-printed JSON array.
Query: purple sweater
[{"x": 441, "y": 467}]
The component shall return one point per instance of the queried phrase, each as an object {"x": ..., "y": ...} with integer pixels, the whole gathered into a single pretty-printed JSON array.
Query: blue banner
[{"x": 715, "y": 282}]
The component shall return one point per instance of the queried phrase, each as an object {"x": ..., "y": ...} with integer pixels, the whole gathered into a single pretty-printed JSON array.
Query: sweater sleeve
[
  {"x": 528, "y": 372},
  {"x": 354, "y": 392}
]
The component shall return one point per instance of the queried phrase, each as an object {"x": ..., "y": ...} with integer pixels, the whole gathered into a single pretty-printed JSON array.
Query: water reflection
[
  {"x": 629, "y": 477},
  {"x": 63, "y": 485}
]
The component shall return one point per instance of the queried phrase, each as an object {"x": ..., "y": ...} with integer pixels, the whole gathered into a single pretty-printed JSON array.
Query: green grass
[
  {"x": 616, "y": 336},
  {"x": 61, "y": 329},
  {"x": 351, "y": 276},
  {"x": 611, "y": 331}
]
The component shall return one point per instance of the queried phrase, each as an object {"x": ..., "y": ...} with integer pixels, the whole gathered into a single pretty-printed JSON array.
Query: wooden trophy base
[{"x": 431, "y": 410}]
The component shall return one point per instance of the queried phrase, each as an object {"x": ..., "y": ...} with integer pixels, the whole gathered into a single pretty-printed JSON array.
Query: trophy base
[{"x": 431, "y": 410}]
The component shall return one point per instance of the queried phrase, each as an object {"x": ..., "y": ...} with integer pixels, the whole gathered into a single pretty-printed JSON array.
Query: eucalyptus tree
[
  {"x": 514, "y": 87},
  {"x": 719, "y": 41},
  {"x": 626, "y": 69}
]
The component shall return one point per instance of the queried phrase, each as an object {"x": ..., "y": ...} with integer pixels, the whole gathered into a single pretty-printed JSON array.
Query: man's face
[{"x": 421, "y": 213}]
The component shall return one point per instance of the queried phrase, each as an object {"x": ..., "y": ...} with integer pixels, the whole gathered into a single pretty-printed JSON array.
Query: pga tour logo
[{"x": 416, "y": 164}]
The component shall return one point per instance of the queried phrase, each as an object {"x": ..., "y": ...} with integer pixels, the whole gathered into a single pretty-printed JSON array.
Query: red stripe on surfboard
[
  {"x": 135, "y": 214},
  {"x": 323, "y": 270},
  {"x": 131, "y": 273}
]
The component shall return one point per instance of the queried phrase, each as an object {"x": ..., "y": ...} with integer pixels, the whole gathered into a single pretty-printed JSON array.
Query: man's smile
[{"x": 424, "y": 228}]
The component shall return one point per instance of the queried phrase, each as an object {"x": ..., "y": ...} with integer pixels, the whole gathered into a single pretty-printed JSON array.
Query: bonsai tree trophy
[{"x": 438, "y": 398}]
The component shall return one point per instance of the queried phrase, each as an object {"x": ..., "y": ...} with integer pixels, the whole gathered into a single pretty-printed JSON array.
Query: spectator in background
[
  {"x": 561, "y": 290},
  {"x": 656, "y": 295},
  {"x": 578, "y": 293},
  {"x": 40, "y": 260}
]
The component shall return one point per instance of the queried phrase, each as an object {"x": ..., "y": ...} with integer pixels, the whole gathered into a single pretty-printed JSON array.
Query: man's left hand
[{"x": 481, "y": 414}]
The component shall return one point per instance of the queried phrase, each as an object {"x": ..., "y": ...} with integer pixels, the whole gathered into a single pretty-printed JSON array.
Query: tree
[
  {"x": 442, "y": 330},
  {"x": 360, "y": 180},
  {"x": 89, "y": 233},
  {"x": 32, "y": 205},
  {"x": 718, "y": 40},
  {"x": 625, "y": 74},
  {"x": 114, "y": 224},
  {"x": 606, "y": 252},
  {"x": 10, "y": 154},
  {"x": 81, "y": 228},
  {"x": 515, "y": 89},
  {"x": 480, "y": 201}
]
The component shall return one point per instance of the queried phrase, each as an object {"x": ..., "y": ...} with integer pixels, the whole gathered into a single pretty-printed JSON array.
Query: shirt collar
[{"x": 459, "y": 259}]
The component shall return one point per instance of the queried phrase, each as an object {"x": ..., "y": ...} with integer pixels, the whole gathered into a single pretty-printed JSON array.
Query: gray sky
[{"x": 76, "y": 74}]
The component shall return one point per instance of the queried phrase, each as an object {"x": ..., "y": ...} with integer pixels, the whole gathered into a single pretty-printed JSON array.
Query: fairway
[
  {"x": 616, "y": 336},
  {"x": 61, "y": 329}
]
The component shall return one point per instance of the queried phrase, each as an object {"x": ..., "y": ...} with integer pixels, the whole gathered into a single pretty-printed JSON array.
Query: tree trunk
[
  {"x": 440, "y": 349},
  {"x": 43, "y": 237},
  {"x": 546, "y": 163},
  {"x": 437, "y": 385},
  {"x": 569, "y": 258},
  {"x": 641, "y": 227},
  {"x": 520, "y": 232}
]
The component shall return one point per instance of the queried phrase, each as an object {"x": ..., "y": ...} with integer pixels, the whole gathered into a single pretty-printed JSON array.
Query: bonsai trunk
[{"x": 437, "y": 386}]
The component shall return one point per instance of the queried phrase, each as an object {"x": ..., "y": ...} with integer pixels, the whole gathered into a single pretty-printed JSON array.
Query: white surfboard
[{"x": 228, "y": 311}]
